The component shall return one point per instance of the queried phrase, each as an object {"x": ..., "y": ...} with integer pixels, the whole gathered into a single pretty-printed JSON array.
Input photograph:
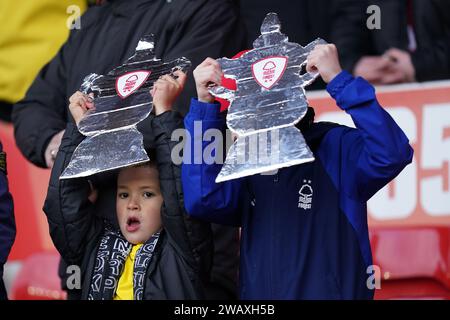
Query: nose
[{"x": 133, "y": 203}]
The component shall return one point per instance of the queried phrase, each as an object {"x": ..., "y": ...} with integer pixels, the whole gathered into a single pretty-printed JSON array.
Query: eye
[
  {"x": 148, "y": 194},
  {"x": 123, "y": 195}
]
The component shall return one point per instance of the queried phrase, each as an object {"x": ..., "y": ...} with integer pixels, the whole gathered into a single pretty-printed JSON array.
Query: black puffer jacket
[
  {"x": 7, "y": 222},
  {"x": 180, "y": 268}
]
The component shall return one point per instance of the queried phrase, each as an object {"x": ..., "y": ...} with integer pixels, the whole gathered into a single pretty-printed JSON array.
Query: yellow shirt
[
  {"x": 125, "y": 287},
  {"x": 32, "y": 32}
]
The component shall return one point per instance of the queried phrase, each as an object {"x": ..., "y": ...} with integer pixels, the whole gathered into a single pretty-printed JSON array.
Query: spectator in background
[
  {"x": 7, "y": 224},
  {"x": 302, "y": 21},
  {"x": 108, "y": 36},
  {"x": 413, "y": 43},
  {"x": 32, "y": 32}
]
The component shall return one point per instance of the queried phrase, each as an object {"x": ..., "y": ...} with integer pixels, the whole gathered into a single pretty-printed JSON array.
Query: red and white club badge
[
  {"x": 130, "y": 82},
  {"x": 268, "y": 71}
]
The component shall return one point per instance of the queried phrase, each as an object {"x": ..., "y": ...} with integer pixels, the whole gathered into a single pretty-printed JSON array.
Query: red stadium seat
[
  {"x": 38, "y": 279},
  {"x": 414, "y": 262}
]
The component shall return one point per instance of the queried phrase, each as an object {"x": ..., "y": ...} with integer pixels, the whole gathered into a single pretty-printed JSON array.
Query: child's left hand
[
  {"x": 325, "y": 60},
  {"x": 166, "y": 90}
]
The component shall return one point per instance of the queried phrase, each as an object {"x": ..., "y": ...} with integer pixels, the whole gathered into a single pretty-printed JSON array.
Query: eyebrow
[
  {"x": 143, "y": 187},
  {"x": 147, "y": 187}
]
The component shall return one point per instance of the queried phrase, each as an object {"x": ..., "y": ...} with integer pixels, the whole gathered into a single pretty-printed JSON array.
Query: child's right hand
[
  {"x": 80, "y": 103},
  {"x": 206, "y": 74},
  {"x": 324, "y": 59},
  {"x": 166, "y": 90}
]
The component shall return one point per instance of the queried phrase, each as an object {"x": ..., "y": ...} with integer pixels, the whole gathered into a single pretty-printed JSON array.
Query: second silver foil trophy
[{"x": 269, "y": 100}]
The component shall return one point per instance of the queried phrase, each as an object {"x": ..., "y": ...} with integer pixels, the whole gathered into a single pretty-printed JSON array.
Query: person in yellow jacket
[{"x": 32, "y": 33}]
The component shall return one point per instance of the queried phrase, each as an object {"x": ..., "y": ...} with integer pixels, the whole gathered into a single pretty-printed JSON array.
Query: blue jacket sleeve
[
  {"x": 7, "y": 222},
  {"x": 204, "y": 198},
  {"x": 364, "y": 160}
]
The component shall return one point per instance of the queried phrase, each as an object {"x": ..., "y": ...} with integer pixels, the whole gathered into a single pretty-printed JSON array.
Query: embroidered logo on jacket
[{"x": 306, "y": 193}]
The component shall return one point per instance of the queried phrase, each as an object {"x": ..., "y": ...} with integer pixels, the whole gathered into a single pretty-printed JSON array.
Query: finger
[
  {"x": 212, "y": 74},
  {"x": 310, "y": 68},
  {"x": 384, "y": 62},
  {"x": 75, "y": 96},
  {"x": 214, "y": 77},
  {"x": 83, "y": 101},
  {"x": 311, "y": 64},
  {"x": 332, "y": 47},
  {"x": 170, "y": 79},
  {"x": 393, "y": 77},
  {"x": 166, "y": 85},
  {"x": 210, "y": 61},
  {"x": 77, "y": 106},
  {"x": 79, "y": 97},
  {"x": 396, "y": 55},
  {"x": 160, "y": 82},
  {"x": 153, "y": 90},
  {"x": 77, "y": 112},
  {"x": 373, "y": 77},
  {"x": 313, "y": 55},
  {"x": 90, "y": 101},
  {"x": 181, "y": 77},
  {"x": 393, "y": 52},
  {"x": 211, "y": 78},
  {"x": 318, "y": 47}
]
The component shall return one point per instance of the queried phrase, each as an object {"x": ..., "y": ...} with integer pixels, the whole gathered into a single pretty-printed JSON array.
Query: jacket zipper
[{"x": 272, "y": 232}]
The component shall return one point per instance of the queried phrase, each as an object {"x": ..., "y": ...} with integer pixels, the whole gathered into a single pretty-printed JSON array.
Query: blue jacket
[
  {"x": 304, "y": 230},
  {"x": 7, "y": 224}
]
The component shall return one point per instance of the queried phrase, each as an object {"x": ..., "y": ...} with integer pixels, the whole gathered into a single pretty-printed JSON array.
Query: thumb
[
  {"x": 394, "y": 53},
  {"x": 153, "y": 90},
  {"x": 310, "y": 67},
  {"x": 77, "y": 114},
  {"x": 181, "y": 77},
  {"x": 90, "y": 100}
]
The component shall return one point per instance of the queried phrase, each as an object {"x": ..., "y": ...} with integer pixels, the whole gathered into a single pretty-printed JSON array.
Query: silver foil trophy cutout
[
  {"x": 121, "y": 100},
  {"x": 269, "y": 100}
]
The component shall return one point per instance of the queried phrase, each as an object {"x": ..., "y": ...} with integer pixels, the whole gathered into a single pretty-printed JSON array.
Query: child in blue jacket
[{"x": 304, "y": 230}]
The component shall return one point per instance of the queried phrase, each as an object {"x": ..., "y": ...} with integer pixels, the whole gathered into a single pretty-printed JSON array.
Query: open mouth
[{"x": 133, "y": 224}]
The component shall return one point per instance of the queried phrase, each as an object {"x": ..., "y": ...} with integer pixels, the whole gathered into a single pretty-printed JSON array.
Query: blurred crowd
[{"x": 384, "y": 41}]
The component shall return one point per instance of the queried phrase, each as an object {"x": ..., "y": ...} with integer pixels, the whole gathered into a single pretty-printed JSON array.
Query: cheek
[
  {"x": 120, "y": 208},
  {"x": 154, "y": 211}
]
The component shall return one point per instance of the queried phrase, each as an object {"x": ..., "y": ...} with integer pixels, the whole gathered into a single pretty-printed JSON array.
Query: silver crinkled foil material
[
  {"x": 121, "y": 100},
  {"x": 268, "y": 102}
]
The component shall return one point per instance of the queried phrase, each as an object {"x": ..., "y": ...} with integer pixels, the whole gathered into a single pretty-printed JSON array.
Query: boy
[
  {"x": 108, "y": 35},
  {"x": 7, "y": 223},
  {"x": 157, "y": 252},
  {"x": 288, "y": 250}
]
